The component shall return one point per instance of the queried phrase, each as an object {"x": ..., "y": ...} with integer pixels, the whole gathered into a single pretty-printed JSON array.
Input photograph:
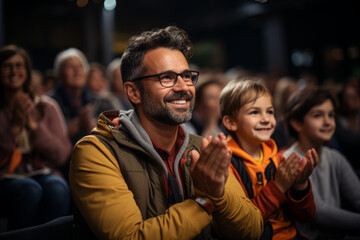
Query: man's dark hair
[
  {"x": 170, "y": 37},
  {"x": 300, "y": 103}
]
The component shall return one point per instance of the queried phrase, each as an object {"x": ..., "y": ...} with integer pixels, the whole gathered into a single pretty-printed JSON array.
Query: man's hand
[
  {"x": 210, "y": 170},
  {"x": 307, "y": 165}
]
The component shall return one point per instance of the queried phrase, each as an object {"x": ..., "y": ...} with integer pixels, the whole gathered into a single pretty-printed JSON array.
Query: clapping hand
[{"x": 210, "y": 170}]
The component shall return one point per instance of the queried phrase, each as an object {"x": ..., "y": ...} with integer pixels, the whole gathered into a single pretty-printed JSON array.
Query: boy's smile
[{"x": 255, "y": 121}]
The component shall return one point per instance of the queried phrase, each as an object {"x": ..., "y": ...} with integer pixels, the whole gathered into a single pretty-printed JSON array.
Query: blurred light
[
  {"x": 81, "y": 3},
  {"x": 302, "y": 58},
  {"x": 262, "y": 1},
  {"x": 297, "y": 58},
  {"x": 109, "y": 4},
  {"x": 250, "y": 9}
]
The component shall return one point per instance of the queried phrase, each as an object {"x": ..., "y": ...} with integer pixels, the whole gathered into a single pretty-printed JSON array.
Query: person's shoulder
[
  {"x": 333, "y": 156},
  {"x": 195, "y": 138},
  {"x": 332, "y": 152}
]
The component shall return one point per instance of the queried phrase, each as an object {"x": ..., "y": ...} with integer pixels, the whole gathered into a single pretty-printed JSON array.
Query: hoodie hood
[
  {"x": 130, "y": 123},
  {"x": 269, "y": 150}
]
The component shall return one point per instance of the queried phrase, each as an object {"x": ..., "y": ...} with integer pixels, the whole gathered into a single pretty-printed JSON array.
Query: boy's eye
[
  {"x": 254, "y": 112},
  {"x": 332, "y": 115},
  {"x": 270, "y": 112}
]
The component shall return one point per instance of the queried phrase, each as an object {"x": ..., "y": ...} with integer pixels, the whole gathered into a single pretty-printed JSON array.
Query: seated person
[
  {"x": 33, "y": 143},
  {"x": 140, "y": 175},
  {"x": 279, "y": 187},
  {"x": 311, "y": 121}
]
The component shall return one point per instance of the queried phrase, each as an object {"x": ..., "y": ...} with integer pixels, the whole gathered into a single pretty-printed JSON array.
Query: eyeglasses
[{"x": 169, "y": 78}]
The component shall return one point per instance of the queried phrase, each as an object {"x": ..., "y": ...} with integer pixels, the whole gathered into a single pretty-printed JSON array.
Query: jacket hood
[
  {"x": 269, "y": 149},
  {"x": 130, "y": 124}
]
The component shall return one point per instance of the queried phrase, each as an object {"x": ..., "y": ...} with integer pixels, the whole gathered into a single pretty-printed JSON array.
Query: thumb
[{"x": 194, "y": 158}]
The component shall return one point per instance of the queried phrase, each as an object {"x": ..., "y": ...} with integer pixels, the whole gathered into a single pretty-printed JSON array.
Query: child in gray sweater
[{"x": 311, "y": 122}]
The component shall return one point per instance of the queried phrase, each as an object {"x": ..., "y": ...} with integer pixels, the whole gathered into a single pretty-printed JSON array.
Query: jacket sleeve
[
  {"x": 303, "y": 209},
  {"x": 108, "y": 206},
  {"x": 50, "y": 139},
  {"x": 237, "y": 217},
  {"x": 268, "y": 200}
]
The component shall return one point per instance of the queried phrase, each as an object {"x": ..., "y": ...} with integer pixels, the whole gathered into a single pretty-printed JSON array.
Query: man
[{"x": 140, "y": 175}]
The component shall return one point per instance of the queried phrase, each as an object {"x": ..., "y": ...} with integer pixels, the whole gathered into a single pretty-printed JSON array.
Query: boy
[
  {"x": 280, "y": 189},
  {"x": 311, "y": 121}
]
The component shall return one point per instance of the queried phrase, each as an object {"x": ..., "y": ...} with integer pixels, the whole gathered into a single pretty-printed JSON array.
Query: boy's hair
[
  {"x": 237, "y": 93},
  {"x": 300, "y": 103}
]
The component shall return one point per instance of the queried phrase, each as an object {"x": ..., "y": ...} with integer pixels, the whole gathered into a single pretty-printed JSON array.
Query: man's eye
[
  {"x": 187, "y": 76},
  {"x": 166, "y": 77}
]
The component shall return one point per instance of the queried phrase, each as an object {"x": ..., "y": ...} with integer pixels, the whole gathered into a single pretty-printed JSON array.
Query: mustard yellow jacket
[{"x": 101, "y": 194}]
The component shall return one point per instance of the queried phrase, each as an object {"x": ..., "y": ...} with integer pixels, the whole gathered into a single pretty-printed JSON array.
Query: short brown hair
[
  {"x": 237, "y": 93},
  {"x": 300, "y": 103},
  {"x": 170, "y": 37}
]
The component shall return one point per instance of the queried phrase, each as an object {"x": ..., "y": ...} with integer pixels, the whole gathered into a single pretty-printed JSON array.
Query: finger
[
  {"x": 194, "y": 159},
  {"x": 315, "y": 156}
]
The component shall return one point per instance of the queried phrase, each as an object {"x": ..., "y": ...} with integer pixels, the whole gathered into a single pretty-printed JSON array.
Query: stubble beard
[{"x": 164, "y": 114}]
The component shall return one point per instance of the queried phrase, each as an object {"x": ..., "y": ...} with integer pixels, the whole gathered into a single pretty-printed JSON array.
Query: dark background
[{"x": 285, "y": 37}]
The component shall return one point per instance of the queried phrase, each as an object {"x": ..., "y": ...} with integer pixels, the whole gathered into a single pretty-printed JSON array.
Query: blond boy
[{"x": 279, "y": 187}]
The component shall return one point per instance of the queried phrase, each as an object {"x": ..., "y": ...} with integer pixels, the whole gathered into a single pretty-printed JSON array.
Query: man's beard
[{"x": 163, "y": 113}]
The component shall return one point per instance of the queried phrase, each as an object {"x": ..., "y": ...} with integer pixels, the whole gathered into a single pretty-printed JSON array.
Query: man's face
[{"x": 171, "y": 105}]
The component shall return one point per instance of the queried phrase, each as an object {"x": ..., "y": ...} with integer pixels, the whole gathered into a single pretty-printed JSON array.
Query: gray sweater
[{"x": 332, "y": 180}]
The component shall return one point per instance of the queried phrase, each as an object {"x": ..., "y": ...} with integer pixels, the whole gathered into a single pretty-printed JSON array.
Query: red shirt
[{"x": 169, "y": 159}]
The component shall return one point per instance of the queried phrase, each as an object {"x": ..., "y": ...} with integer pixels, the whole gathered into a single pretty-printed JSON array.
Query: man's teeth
[{"x": 178, "y": 101}]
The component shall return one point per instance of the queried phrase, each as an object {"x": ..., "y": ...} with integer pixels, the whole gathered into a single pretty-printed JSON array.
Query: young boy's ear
[
  {"x": 229, "y": 123},
  {"x": 296, "y": 124}
]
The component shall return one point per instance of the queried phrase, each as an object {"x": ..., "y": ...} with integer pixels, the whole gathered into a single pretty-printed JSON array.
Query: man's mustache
[{"x": 178, "y": 95}]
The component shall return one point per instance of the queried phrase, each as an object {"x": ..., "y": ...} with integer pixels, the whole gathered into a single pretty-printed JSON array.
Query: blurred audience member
[
  {"x": 206, "y": 118},
  {"x": 78, "y": 106},
  {"x": 347, "y": 134},
  {"x": 307, "y": 79},
  {"x": 117, "y": 95},
  {"x": 284, "y": 88},
  {"x": 97, "y": 82},
  {"x": 36, "y": 86},
  {"x": 33, "y": 141},
  {"x": 49, "y": 82}
]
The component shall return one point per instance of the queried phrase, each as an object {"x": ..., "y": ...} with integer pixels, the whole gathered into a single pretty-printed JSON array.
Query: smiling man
[{"x": 141, "y": 175}]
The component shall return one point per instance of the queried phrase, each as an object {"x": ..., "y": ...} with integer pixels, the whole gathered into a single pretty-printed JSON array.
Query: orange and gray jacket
[{"x": 278, "y": 209}]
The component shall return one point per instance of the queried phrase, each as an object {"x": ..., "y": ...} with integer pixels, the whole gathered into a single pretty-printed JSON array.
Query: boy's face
[
  {"x": 319, "y": 123},
  {"x": 255, "y": 122}
]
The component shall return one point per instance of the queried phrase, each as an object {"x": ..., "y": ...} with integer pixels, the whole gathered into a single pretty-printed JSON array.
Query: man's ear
[
  {"x": 229, "y": 123},
  {"x": 133, "y": 92},
  {"x": 296, "y": 124}
]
